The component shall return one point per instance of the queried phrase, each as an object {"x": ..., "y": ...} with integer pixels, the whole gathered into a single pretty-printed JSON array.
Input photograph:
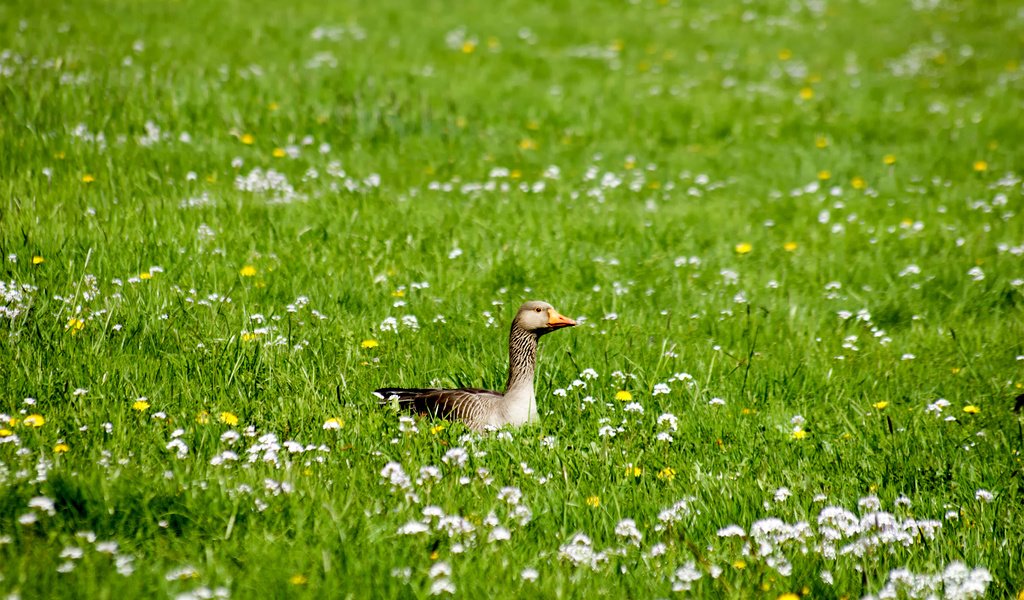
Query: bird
[{"x": 480, "y": 409}]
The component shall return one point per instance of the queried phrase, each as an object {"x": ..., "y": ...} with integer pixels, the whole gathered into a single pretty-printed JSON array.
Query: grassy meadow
[{"x": 790, "y": 231}]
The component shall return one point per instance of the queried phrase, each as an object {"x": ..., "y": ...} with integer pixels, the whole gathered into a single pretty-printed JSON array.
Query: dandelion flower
[
  {"x": 789, "y": 246},
  {"x": 298, "y": 579},
  {"x": 34, "y": 421},
  {"x": 140, "y": 405},
  {"x": 61, "y": 448},
  {"x": 593, "y": 501},
  {"x": 880, "y": 405},
  {"x": 858, "y": 183},
  {"x": 247, "y": 271},
  {"x": 788, "y": 596},
  {"x": 334, "y": 423},
  {"x": 248, "y": 139},
  {"x": 468, "y": 47},
  {"x": 798, "y": 434},
  {"x": 980, "y": 166},
  {"x": 74, "y": 325},
  {"x": 739, "y": 564},
  {"x": 969, "y": 409},
  {"x": 623, "y": 396},
  {"x": 228, "y": 418},
  {"x": 527, "y": 144},
  {"x": 824, "y": 175},
  {"x": 369, "y": 344},
  {"x": 889, "y": 160},
  {"x": 203, "y": 418},
  {"x": 87, "y": 178},
  {"x": 633, "y": 471},
  {"x": 806, "y": 93},
  {"x": 667, "y": 474},
  {"x": 279, "y": 153},
  {"x": 821, "y": 142},
  {"x": 38, "y": 260},
  {"x": 744, "y": 248}
]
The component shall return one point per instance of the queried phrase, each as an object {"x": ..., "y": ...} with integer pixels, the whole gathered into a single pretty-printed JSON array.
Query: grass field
[{"x": 791, "y": 232}]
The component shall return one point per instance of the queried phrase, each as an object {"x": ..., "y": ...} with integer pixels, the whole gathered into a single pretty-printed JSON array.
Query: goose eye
[{"x": 537, "y": 309}]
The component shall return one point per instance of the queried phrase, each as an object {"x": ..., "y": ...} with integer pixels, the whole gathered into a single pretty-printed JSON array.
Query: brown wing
[{"x": 469, "y": 405}]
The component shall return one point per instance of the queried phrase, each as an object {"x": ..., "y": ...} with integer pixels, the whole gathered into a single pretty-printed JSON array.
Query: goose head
[{"x": 540, "y": 317}]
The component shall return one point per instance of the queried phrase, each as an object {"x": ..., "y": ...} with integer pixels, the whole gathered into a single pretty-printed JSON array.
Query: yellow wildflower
[
  {"x": 972, "y": 409},
  {"x": 145, "y": 275},
  {"x": 334, "y": 423},
  {"x": 739, "y": 564},
  {"x": 955, "y": 370},
  {"x": 399, "y": 293},
  {"x": 203, "y": 418},
  {"x": 788, "y": 596},
  {"x": 667, "y": 474},
  {"x": 858, "y": 183},
  {"x": 298, "y": 579},
  {"x": 228, "y": 418},
  {"x": 247, "y": 271},
  {"x": 61, "y": 448},
  {"x": 34, "y": 421},
  {"x": 436, "y": 429},
  {"x": 468, "y": 46},
  {"x": 785, "y": 54},
  {"x": 623, "y": 396},
  {"x": 38, "y": 260},
  {"x": 880, "y": 405},
  {"x": 806, "y": 93},
  {"x": 593, "y": 501},
  {"x": 74, "y": 325},
  {"x": 821, "y": 142},
  {"x": 140, "y": 405},
  {"x": 980, "y": 166},
  {"x": 527, "y": 144},
  {"x": 369, "y": 343},
  {"x": 889, "y": 160},
  {"x": 6, "y": 433},
  {"x": 248, "y": 139},
  {"x": 279, "y": 153},
  {"x": 824, "y": 175},
  {"x": 744, "y": 248},
  {"x": 273, "y": 106},
  {"x": 87, "y": 178},
  {"x": 798, "y": 434},
  {"x": 789, "y": 246},
  {"x": 633, "y": 471}
]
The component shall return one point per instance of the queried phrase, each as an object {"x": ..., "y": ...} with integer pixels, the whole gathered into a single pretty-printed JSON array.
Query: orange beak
[{"x": 556, "y": 320}]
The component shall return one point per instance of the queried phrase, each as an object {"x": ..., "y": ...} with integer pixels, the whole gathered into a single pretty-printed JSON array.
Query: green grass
[{"x": 874, "y": 136}]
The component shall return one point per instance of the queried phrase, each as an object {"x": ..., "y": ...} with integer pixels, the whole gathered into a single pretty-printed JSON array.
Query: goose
[{"x": 482, "y": 409}]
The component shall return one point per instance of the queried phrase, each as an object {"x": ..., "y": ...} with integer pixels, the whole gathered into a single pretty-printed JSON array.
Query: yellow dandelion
[
  {"x": 667, "y": 474},
  {"x": 279, "y": 153},
  {"x": 6, "y": 433},
  {"x": 798, "y": 434},
  {"x": 629, "y": 164},
  {"x": 824, "y": 175},
  {"x": 334, "y": 423},
  {"x": 1020, "y": 595},
  {"x": 61, "y": 448},
  {"x": 203, "y": 418},
  {"x": 298, "y": 579},
  {"x": 369, "y": 343},
  {"x": 880, "y": 405},
  {"x": 145, "y": 275},
  {"x": 748, "y": 411},
  {"x": 633, "y": 471},
  {"x": 248, "y": 139},
  {"x": 980, "y": 166},
  {"x": 398, "y": 293},
  {"x": 38, "y": 260},
  {"x": 821, "y": 142},
  {"x": 436, "y": 429},
  {"x": 515, "y": 174},
  {"x": 87, "y": 178},
  {"x": 889, "y": 160},
  {"x": 955, "y": 370},
  {"x": 972, "y": 409},
  {"x": 593, "y": 501},
  {"x": 249, "y": 336},
  {"x": 785, "y": 54},
  {"x": 744, "y": 248},
  {"x": 527, "y": 144},
  {"x": 228, "y": 418},
  {"x": 34, "y": 421},
  {"x": 140, "y": 405},
  {"x": 806, "y": 93},
  {"x": 789, "y": 246},
  {"x": 788, "y": 596},
  {"x": 623, "y": 396},
  {"x": 739, "y": 564},
  {"x": 247, "y": 271},
  {"x": 858, "y": 183},
  {"x": 468, "y": 47}
]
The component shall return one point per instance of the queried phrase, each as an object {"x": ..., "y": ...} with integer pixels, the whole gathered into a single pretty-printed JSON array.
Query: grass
[{"x": 811, "y": 209}]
